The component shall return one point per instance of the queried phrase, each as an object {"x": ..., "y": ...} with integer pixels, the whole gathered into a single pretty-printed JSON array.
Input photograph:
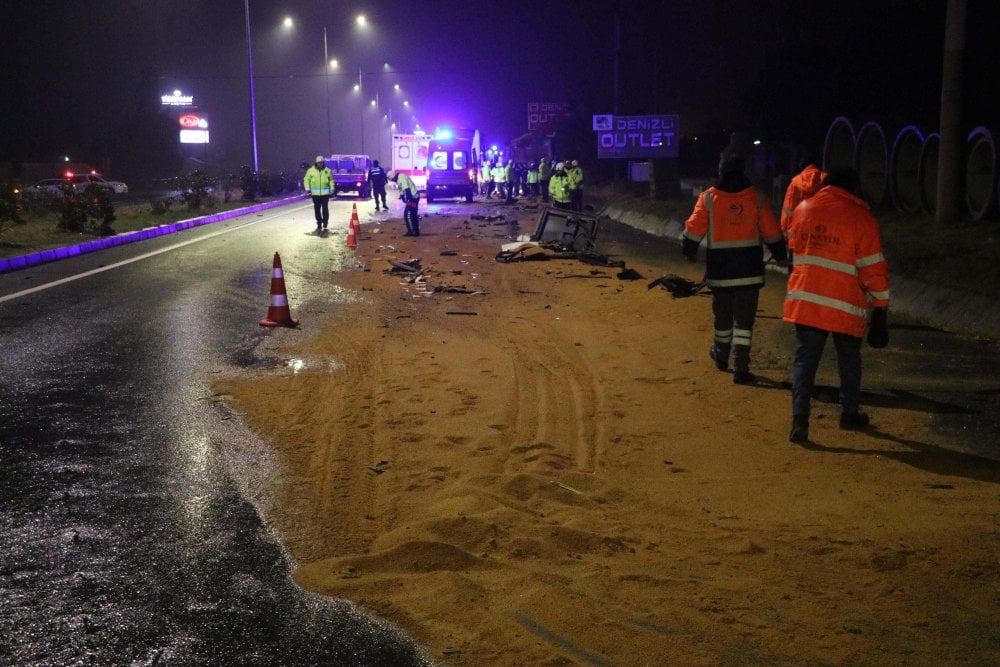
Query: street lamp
[{"x": 253, "y": 104}]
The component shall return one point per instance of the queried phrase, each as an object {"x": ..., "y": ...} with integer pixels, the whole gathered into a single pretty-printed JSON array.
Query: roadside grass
[{"x": 40, "y": 230}]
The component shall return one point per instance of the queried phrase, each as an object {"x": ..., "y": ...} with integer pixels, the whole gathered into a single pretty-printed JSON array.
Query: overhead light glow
[
  {"x": 361, "y": 20},
  {"x": 288, "y": 22}
]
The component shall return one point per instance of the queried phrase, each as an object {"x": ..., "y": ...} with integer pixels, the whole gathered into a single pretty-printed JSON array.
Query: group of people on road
[
  {"x": 838, "y": 280},
  {"x": 562, "y": 182},
  {"x": 318, "y": 182}
]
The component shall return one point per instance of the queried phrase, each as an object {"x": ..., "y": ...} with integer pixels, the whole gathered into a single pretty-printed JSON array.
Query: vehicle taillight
[{"x": 69, "y": 174}]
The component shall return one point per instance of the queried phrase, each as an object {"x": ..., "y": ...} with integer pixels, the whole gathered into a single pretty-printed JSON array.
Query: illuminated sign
[
  {"x": 544, "y": 115},
  {"x": 194, "y": 128},
  {"x": 192, "y": 120},
  {"x": 177, "y": 99},
  {"x": 194, "y": 136},
  {"x": 637, "y": 136}
]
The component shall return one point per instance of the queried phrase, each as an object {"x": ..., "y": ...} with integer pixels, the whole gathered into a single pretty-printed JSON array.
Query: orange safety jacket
[
  {"x": 735, "y": 223},
  {"x": 803, "y": 185},
  {"x": 838, "y": 264}
]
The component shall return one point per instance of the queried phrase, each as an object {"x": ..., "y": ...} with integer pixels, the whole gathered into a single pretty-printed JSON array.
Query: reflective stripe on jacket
[
  {"x": 559, "y": 188},
  {"x": 803, "y": 185},
  {"x": 735, "y": 224},
  {"x": 318, "y": 181},
  {"x": 838, "y": 264}
]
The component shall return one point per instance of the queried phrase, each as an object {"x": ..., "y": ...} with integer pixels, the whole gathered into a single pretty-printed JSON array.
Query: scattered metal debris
[{"x": 678, "y": 287}]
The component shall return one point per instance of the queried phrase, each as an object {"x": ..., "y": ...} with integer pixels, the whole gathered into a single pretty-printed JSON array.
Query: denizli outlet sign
[
  {"x": 636, "y": 136},
  {"x": 177, "y": 100}
]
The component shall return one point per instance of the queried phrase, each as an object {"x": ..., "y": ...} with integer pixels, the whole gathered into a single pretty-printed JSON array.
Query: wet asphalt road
[
  {"x": 126, "y": 535},
  {"x": 123, "y": 533}
]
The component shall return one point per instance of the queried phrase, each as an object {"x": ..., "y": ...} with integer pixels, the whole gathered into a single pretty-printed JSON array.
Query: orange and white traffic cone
[
  {"x": 353, "y": 228},
  {"x": 278, "y": 314}
]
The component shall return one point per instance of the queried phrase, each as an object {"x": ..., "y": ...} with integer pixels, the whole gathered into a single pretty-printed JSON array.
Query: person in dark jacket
[{"x": 376, "y": 181}]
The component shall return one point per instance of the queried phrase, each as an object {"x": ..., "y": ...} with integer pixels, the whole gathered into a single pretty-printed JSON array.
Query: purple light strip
[{"x": 43, "y": 257}]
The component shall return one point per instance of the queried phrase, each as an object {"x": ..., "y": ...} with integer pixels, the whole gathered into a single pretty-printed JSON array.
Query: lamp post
[
  {"x": 253, "y": 105},
  {"x": 326, "y": 70}
]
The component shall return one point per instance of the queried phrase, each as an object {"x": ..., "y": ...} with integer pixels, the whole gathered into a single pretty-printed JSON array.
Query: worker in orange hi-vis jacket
[
  {"x": 803, "y": 185},
  {"x": 838, "y": 273},
  {"x": 735, "y": 218}
]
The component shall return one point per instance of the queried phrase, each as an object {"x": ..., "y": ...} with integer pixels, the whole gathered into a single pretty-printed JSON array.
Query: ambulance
[{"x": 409, "y": 156}]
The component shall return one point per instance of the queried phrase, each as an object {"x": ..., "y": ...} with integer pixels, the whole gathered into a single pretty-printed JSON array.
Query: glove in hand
[{"x": 878, "y": 328}]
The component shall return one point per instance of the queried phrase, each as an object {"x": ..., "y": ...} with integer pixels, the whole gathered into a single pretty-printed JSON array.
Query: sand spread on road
[{"x": 553, "y": 472}]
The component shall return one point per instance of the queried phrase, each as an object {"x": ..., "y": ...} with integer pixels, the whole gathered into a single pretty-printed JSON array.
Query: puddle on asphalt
[{"x": 313, "y": 365}]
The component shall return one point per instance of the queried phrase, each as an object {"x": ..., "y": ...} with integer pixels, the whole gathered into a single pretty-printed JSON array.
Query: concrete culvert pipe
[
  {"x": 904, "y": 184},
  {"x": 838, "y": 149},
  {"x": 980, "y": 173},
  {"x": 927, "y": 172},
  {"x": 871, "y": 162}
]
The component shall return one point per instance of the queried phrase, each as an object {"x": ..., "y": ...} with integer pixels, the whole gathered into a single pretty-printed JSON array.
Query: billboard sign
[
  {"x": 544, "y": 115},
  {"x": 194, "y": 127},
  {"x": 637, "y": 136},
  {"x": 177, "y": 99}
]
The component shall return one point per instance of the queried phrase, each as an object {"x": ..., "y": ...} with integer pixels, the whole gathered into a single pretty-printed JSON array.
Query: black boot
[
  {"x": 800, "y": 429},
  {"x": 854, "y": 421}
]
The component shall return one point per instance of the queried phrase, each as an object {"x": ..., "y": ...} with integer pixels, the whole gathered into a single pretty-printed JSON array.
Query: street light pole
[
  {"x": 361, "y": 97},
  {"x": 253, "y": 106},
  {"x": 326, "y": 69}
]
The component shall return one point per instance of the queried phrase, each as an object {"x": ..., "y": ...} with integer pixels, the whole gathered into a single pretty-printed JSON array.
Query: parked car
[
  {"x": 49, "y": 187},
  {"x": 81, "y": 181}
]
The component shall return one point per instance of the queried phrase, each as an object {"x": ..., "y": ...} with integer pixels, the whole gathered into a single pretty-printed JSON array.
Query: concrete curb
[
  {"x": 43, "y": 257},
  {"x": 934, "y": 305}
]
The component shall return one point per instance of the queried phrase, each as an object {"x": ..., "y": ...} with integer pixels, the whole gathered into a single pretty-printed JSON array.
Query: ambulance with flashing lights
[
  {"x": 409, "y": 156},
  {"x": 453, "y": 164}
]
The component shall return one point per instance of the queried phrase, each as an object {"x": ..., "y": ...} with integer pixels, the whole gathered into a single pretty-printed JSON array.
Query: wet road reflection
[{"x": 126, "y": 538}]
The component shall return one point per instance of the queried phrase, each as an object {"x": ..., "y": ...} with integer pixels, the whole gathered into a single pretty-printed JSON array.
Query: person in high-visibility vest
[
  {"x": 410, "y": 195},
  {"x": 318, "y": 182},
  {"x": 575, "y": 173},
  {"x": 500, "y": 179},
  {"x": 486, "y": 179},
  {"x": 532, "y": 180},
  {"x": 559, "y": 188},
  {"x": 510, "y": 176},
  {"x": 734, "y": 217},
  {"x": 838, "y": 273},
  {"x": 544, "y": 174}
]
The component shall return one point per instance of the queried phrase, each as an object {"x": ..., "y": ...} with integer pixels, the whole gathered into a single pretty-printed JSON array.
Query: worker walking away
[
  {"x": 318, "y": 182},
  {"x": 559, "y": 188},
  {"x": 575, "y": 172},
  {"x": 802, "y": 186},
  {"x": 376, "y": 181},
  {"x": 411, "y": 199},
  {"x": 838, "y": 272},
  {"x": 734, "y": 217},
  {"x": 544, "y": 174}
]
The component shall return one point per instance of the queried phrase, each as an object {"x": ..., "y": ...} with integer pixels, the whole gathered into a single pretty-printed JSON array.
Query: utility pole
[
  {"x": 326, "y": 71},
  {"x": 949, "y": 183},
  {"x": 253, "y": 105}
]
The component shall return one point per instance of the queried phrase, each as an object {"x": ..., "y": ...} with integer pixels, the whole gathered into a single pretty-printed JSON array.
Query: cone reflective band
[
  {"x": 278, "y": 314},
  {"x": 352, "y": 238}
]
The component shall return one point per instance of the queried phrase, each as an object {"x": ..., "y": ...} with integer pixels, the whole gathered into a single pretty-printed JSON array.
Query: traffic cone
[
  {"x": 353, "y": 228},
  {"x": 352, "y": 236},
  {"x": 278, "y": 314}
]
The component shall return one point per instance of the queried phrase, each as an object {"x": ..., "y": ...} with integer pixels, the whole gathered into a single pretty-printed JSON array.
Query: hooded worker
[{"x": 318, "y": 182}]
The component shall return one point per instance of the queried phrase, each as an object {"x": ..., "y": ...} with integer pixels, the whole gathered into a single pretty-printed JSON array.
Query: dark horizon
[{"x": 85, "y": 80}]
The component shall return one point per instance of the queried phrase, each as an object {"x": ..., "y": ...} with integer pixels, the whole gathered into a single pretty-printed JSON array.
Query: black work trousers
[
  {"x": 321, "y": 207},
  {"x": 378, "y": 192},
  {"x": 411, "y": 218},
  {"x": 735, "y": 311}
]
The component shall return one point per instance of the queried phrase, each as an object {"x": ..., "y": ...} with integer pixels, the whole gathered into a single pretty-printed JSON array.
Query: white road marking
[{"x": 102, "y": 269}]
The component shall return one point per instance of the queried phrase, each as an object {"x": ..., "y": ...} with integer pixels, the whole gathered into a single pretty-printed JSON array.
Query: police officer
[
  {"x": 575, "y": 173},
  {"x": 318, "y": 182},
  {"x": 411, "y": 198},
  {"x": 376, "y": 181},
  {"x": 544, "y": 173},
  {"x": 559, "y": 188}
]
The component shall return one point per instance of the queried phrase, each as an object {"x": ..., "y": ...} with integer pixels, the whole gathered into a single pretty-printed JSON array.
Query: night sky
[{"x": 84, "y": 79}]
